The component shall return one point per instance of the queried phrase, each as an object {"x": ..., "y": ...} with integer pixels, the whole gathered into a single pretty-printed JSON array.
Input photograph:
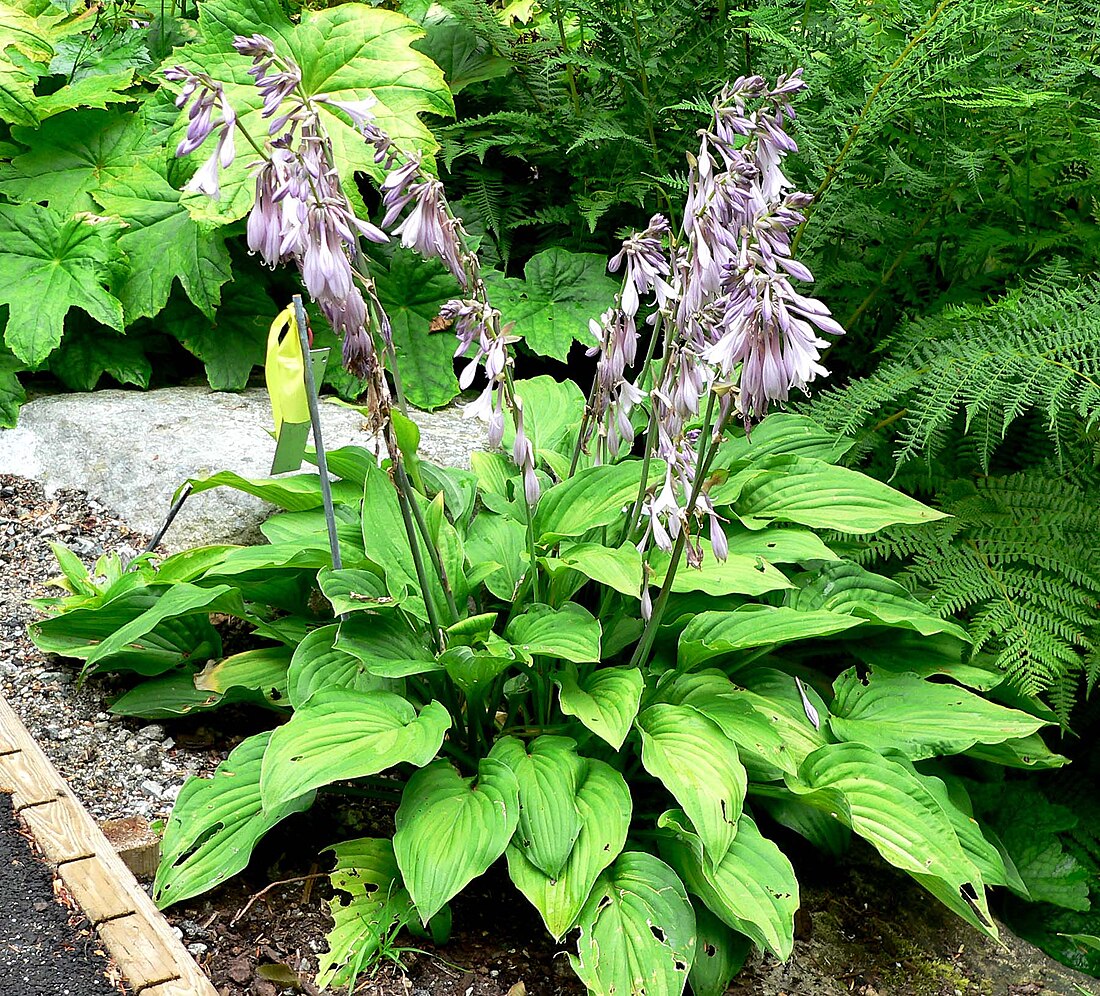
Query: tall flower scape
[{"x": 727, "y": 331}]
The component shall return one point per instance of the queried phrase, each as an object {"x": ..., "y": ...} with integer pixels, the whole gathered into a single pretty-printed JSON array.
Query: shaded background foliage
[{"x": 954, "y": 151}]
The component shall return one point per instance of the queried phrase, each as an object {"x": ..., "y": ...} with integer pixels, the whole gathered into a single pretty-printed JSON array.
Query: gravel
[{"x": 118, "y": 767}]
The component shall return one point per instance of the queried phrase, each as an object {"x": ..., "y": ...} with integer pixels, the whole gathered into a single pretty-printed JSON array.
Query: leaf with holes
[
  {"x": 479, "y": 820},
  {"x": 720, "y": 954},
  {"x": 343, "y": 733},
  {"x": 920, "y": 718},
  {"x": 368, "y": 905},
  {"x": 603, "y": 805},
  {"x": 548, "y": 771},
  {"x": 889, "y": 805},
  {"x": 262, "y": 670},
  {"x": 637, "y": 931},
  {"x": 215, "y": 824},
  {"x": 691, "y": 756},
  {"x": 606, "y": 700},
  {"x": 753, "y": 889}
]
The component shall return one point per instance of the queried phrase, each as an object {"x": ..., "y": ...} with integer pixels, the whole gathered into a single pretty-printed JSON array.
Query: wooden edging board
[{"x": 147, "y": 951}]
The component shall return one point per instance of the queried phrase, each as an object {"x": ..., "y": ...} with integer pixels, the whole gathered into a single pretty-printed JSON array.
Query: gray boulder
[{"x": 131, "y": 450}]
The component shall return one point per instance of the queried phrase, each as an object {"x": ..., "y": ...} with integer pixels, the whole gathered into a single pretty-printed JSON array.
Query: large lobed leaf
[{"x": 348, "y": 53}]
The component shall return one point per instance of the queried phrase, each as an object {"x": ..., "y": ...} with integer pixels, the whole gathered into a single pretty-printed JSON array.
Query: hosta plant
[{"x": 615, "y": 652}]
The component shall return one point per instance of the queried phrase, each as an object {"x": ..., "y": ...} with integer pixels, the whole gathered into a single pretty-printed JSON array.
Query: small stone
[
  {"x": 152, "y": 788},
  {"x": 154, "y": 732},
  {"x": 197, "y": 948}
]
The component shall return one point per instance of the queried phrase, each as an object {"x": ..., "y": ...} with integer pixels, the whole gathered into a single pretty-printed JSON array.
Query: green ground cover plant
[{"x": 617, "y": 650}]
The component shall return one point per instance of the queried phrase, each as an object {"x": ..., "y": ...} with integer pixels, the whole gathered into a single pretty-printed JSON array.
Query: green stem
[
  {"x": 405, "y": 485},
  {"x": 649, "y": 634},
  {"x": 560, "y": 18}
]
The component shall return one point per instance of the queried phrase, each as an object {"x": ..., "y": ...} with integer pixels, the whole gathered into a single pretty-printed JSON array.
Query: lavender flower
[
  {"x": 428, "y": 228},
  {"x": 208, "y": 97}
]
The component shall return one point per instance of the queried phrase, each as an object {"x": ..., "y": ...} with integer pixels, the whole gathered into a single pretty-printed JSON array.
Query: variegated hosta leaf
[
  {"x": 637, "y": 931},
  {"x": 215, "y": 824},
  {"x": 450, "y": 830},
  {"x": 603, "y": 804}
]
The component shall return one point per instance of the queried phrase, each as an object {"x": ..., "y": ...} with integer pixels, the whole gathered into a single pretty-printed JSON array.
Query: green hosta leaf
[
  {"x": 317, "y": 664},
  {"x": 606, "y": 700},
  {"x": 889, "y": 805},
  {"x": 783, "y": 434},
  {"x": 479, "y": 820},
  {"x": 549, "y": 772},
  {"x": 847, "y": 587},
  {"x": 347, "y": 53},
  {"x": 164, "y": 244},
  {"x": 570, "y": 633},
  {"x": 472, "y": 670},
  {"x": 551, "y": 307},
  {"x": 342, "y": 733},
  {"x": 263, "y": 670},
  {"x": 699, "y": 765},
  {"x": 590, "y": 498},
  {"x": 1025, "y": 752},
  {"x": 898, "y": 651},
  {"x": 920, "y": 718},
  {"x": 412, "y": 291},
  {"x": 295, "y": 494},
  {"x": 51, "y": 264},
  {"x": 820, "y": 828},
  {"x": 552, "y": 412},
  {"x": 637, "y": 931},
  {"x": 368, "y": 905},
  {"x": 167, "y": 696},
  {"x": 753, "y": 890},
  {"x": 602, "y": 803},
  {"x": 386, "y": 645},
  {"x": 231, "y": 343},
  {"x": 816, "y": 494},
  {"x": 720, "y": 954},
  {"x": 352, "y": 590},
  {"x": 178, "y": 600},
  {"x": 215, "y": 824},
  {"x": 495, "y": 539},
  {"x": 769, "y": 738},
  {"x": 617, "y": 567},
  {"x": 736, "y": 575},
  {"x": 73, "y": 156},
  {"x": 779, "y": 545},
  {"x": 714, "y": 634}
]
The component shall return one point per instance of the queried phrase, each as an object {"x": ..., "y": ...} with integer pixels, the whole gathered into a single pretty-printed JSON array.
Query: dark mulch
[{"x": 46, "y": 947}]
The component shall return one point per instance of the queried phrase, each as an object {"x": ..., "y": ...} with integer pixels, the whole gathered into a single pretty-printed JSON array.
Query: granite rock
[{"x": 131, "y": 450}]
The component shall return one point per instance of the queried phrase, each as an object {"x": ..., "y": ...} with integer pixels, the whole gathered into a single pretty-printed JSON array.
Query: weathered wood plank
[
  {"x": 62, "y": 830},
  {"x": 96, "y": 889},
  {"x": 27, "y": 781},
  {"x": 141, "y": 953},
  {"x": 142, "y": 943}
]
